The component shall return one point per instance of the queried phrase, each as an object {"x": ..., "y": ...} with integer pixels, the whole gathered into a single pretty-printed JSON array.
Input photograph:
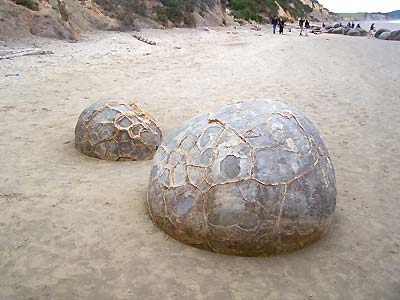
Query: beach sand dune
[{"x": 74, "y": 227}]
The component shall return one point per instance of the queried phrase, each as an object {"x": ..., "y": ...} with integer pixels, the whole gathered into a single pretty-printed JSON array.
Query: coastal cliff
[{"x": 66, "y": 19}]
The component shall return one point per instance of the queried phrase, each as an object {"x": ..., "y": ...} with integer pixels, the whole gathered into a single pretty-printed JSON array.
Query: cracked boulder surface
[
  {"x": 253, "y": 178},
  {"x": 117, "y": 130}
]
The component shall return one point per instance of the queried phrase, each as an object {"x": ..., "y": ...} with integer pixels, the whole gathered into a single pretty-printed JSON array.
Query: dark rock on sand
[
  {"x": 347, "y": 29},
  {"x": 394, "y": 36},
  {"x": 363, "y": 32},
  {"x": 357, "y": 32},
  {"x": 353, "y": 32},
  {"x": 339, "y": 30}
]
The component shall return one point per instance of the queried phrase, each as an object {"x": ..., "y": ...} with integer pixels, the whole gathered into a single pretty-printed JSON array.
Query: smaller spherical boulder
[{"x": 117, "y": 130}]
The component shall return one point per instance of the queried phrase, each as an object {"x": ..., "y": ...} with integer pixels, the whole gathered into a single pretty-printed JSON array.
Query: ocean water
[{"x": 391, "y": 25}]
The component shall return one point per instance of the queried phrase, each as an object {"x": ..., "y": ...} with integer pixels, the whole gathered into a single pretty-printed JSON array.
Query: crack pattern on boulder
[
  {"x": 116, "y": 130},
  {"x": 253, "y": 178}
]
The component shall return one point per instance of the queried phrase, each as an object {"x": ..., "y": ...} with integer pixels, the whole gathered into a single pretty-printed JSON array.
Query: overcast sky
[{"x": 361, "y": 5}]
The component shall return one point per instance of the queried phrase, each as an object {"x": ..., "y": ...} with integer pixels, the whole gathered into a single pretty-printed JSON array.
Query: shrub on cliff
[{"x": 32, "y": 5}]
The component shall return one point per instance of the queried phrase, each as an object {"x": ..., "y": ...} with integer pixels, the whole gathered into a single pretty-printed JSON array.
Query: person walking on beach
[
  {"x": 307, "y": 26},
  {"x": 274, "y": 24},
  {"x": 281, "y": 24},
  {"x": 301, "y": 24},
  {"x": 371, "y": 31}
]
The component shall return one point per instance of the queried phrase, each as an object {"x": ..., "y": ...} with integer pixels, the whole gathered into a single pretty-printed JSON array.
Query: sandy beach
[{"x": 74, "y": 227}]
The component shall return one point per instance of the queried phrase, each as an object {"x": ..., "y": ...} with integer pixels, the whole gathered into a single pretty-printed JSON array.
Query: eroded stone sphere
[
  {"x": 253, "y": 178},
  {"x": 117, "y": 130}
]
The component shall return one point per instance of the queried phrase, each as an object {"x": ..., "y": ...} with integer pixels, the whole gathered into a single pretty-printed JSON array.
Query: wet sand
[{"x": 74, "y": 227}]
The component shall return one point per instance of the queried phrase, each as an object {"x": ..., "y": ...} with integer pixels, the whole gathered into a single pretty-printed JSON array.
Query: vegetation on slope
[
  {"x": 31, "y": 4},
  {"x": 180, "y": 12},
  {"x": 259, "y": 9},
  {"x": 124, "y": 10},
  {"x": 177, "y": 12}
]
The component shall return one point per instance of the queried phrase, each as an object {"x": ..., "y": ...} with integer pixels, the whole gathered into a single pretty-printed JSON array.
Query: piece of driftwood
[
  {"x": 11, "y": 53},
  {"x": 256, "y": 27},
  {"x": 144, "y": 40}
]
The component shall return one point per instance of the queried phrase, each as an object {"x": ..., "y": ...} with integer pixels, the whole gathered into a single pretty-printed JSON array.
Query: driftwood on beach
[
  {"x": 144, "y": 40},
  {"x": 11, "y": 53}
]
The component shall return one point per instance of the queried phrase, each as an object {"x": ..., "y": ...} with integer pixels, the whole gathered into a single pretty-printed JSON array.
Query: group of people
[
  {"x": 351, "y": 25},
  {"x": 371, "y": 32},
  {"x": 304, "y": 26},
  {"x": 280, "y": 23}
]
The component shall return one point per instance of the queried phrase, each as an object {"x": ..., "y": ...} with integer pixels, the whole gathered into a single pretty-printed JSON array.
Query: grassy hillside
[
  {"x": 353, "y": 15},
  {"x": 394, "y": 15}
]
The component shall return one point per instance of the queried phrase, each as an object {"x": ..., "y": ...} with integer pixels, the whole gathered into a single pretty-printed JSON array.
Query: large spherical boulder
[
  {"x": 384, "y": 35},
  {"x": 117, "y": 130},
  {"x": 380, "y": 31},
  {"x": 353, "y": 32},
  {"x": 357, "y": 32},
  {"x": 253, "y": 178},
  {"x": 394, "y": 36},
  {"x": 346, "y": 30},
  {"x": 339, "y": 30},
  {"x": 363, "y": 32}
]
